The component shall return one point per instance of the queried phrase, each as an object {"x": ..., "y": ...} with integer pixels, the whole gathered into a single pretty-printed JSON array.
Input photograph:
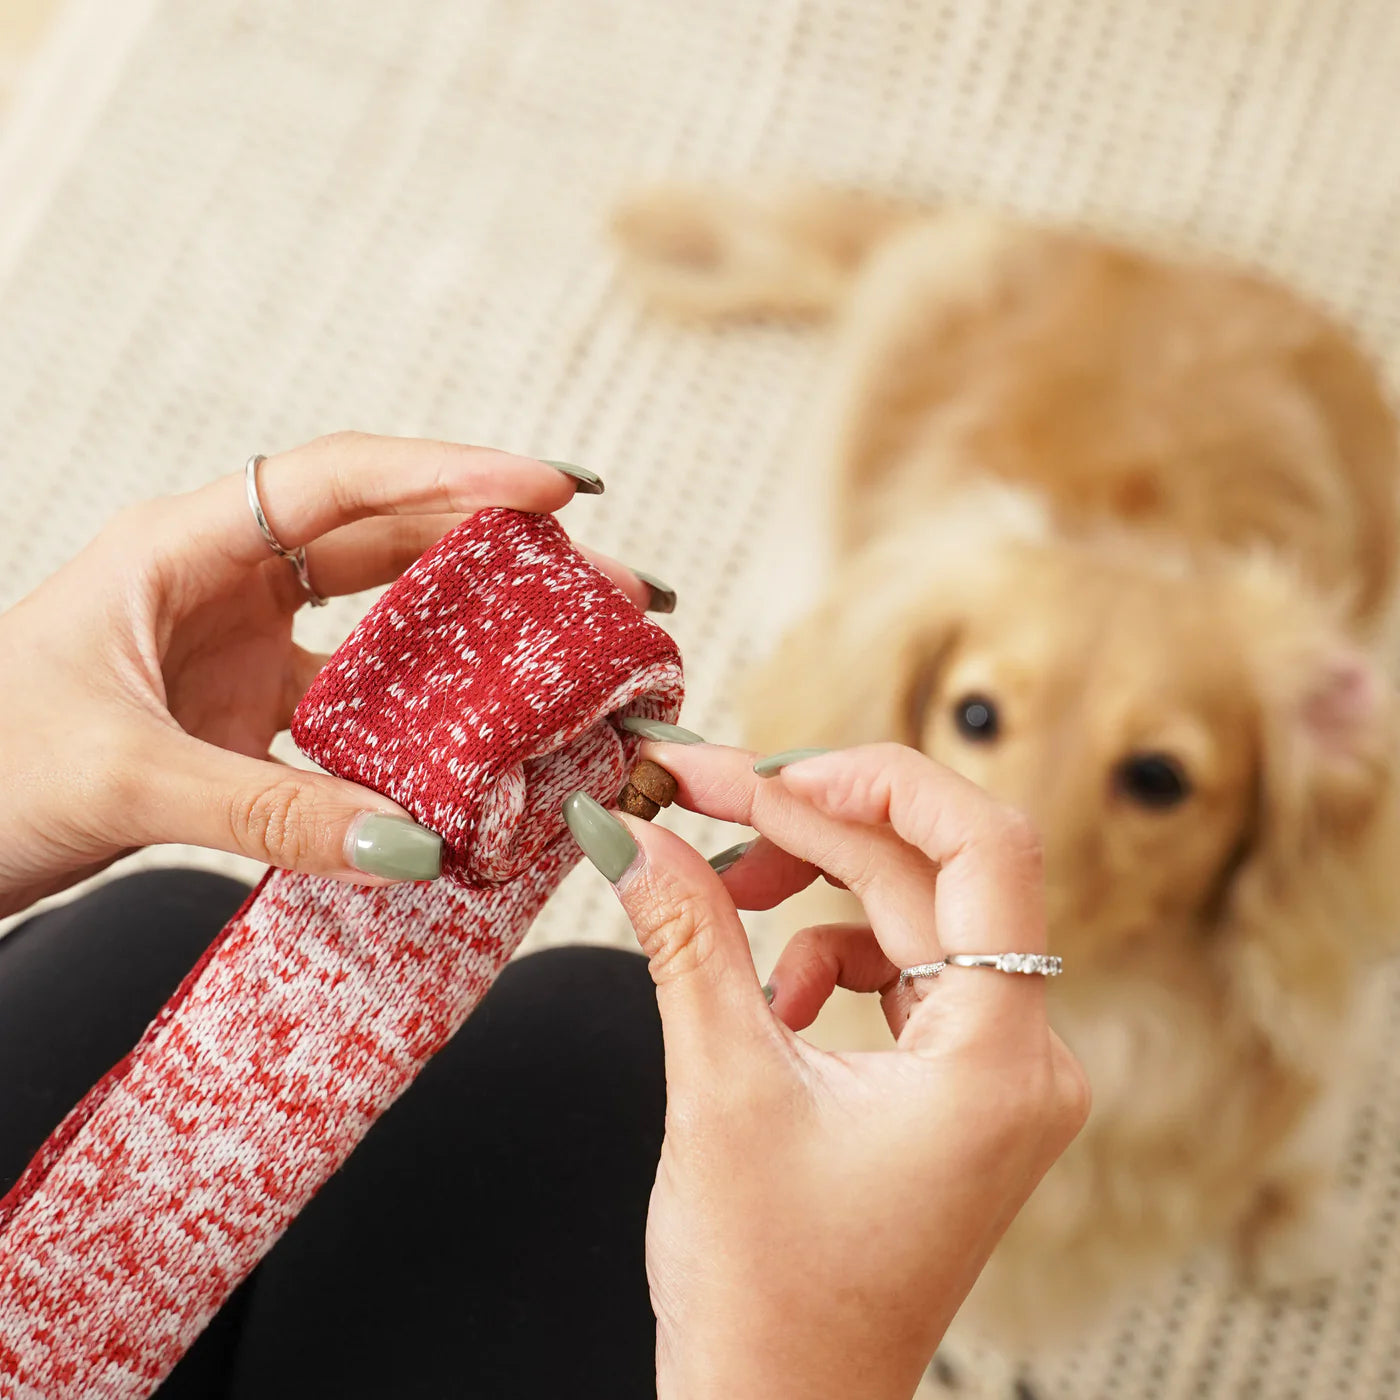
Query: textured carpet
[{"x": 230, "y": 226}]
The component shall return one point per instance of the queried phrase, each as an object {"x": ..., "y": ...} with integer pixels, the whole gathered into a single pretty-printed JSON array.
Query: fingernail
[
  {"x": 768, "y": 993},
  {"x": 663, "y": 596},
  {"x": 589, "y": 483},
  {"x": 766, "y": 767},
  {"x": 394, "y": 847},
  {"x": 658, "y": 730},
  {"x": 720, "y": 863},
  {"x": 601, "y": 837}
]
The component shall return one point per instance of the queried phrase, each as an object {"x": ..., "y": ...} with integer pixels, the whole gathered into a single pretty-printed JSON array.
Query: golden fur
[{"x": 1146, "y": 508}]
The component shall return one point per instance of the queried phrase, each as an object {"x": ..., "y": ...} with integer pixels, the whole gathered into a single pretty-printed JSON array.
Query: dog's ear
[
  {"x": 1328, "y": 739},
  {"x": 1315, "y": 888},
  {"x": 864, "y": 664},
  {"x": 859, "y": 669}
]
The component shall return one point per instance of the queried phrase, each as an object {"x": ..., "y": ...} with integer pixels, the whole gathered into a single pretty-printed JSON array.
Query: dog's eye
[
  {"x": 976, "y": 718},
  {"x": 1152, "y": 779}
]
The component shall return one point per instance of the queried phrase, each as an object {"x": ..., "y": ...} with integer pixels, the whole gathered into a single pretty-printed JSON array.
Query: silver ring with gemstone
[
  {"x": 295, "y": 557},
  {"x": 1030, "y": 964}
]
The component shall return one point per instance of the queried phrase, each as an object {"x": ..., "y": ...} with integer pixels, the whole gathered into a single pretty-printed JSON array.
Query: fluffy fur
[{"x": 1146, "y": 509}]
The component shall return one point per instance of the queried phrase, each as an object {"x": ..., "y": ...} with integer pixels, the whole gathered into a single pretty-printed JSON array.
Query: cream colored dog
[{"x": 1117, "y": 539}]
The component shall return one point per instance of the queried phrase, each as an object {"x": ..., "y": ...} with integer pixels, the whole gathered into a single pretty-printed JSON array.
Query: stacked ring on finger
[{"x": 1037, "y": 964}]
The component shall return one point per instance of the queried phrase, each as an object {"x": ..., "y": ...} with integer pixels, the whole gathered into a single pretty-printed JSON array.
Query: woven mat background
[{"x": 285, "y": 218}]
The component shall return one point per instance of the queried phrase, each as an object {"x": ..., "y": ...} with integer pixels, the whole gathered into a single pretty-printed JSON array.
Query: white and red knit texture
[{"x": 477, "y": 693}]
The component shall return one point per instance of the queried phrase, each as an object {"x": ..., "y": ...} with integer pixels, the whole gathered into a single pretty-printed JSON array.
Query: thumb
[
  {"x": 712, "y": 1007},
  {"x": 288, "y": 817}
]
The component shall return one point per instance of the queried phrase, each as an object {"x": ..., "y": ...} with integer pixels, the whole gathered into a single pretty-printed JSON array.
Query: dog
[{"x": 1116, "y": 538}]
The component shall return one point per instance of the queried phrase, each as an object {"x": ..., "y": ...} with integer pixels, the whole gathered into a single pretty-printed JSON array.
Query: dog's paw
[
  {"x": 674, "y": 228},
  {"x": 1303, "y": 1247},
  {"x": 713, "y": 252}
]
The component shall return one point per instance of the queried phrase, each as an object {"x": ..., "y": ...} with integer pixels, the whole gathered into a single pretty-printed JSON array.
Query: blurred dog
[{"x": 1117, "y": 539}]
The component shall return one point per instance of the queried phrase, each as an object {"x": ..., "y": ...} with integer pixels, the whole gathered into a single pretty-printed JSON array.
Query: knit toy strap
[{"x": 477, "y": 693}]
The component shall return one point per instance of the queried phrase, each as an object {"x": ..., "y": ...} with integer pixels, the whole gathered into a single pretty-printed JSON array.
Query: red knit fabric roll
[{"x": 477, "y": 693}]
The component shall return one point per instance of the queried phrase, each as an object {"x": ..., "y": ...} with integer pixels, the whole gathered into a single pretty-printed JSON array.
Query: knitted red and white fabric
[{"x": 477, "y": 693}]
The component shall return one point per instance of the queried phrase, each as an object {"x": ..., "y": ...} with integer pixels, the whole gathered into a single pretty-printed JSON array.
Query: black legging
[{"x": 484, "y": 1240}]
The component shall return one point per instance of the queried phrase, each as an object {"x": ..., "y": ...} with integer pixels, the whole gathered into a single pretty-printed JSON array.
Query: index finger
[
  {"x": 970, "y": 877},
  {"x": 335, "y": 480},
  {"x": 894, "y": 882},
  {"x": 991, "y": 872}
]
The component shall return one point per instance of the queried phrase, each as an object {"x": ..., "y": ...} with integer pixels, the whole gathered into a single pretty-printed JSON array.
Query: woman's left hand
[{"x": 146, "y": 679}]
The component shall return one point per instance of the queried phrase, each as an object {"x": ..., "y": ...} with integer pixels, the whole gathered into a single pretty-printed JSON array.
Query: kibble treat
[{"x": 648, "y": 790}]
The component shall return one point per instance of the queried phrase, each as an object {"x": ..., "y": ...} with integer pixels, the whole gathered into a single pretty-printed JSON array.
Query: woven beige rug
[{"x": 230, "y": 226}]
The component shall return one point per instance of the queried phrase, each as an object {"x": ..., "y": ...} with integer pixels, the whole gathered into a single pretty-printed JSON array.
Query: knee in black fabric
[
  {"x": 149, "y": 910},
  {"x": 80, "y": 982}
]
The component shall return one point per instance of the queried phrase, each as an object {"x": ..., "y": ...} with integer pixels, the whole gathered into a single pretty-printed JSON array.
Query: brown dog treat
[
  {"x": 636, "y": 803},
  {"x": 648, "y": 790},
  {"x": 653, "y": 781}
]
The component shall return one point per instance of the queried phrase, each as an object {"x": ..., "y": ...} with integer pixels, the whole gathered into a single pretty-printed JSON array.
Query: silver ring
[
  {"x": 1032, "y": 964},
  {"x": 921, "y": 970},
  {"x": 295, "y": 557}
]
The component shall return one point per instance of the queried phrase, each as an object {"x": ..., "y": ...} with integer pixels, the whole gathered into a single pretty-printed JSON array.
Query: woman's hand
[
  {"x": 144, "y": 682},
  {"x": 818, "y": 1218}
]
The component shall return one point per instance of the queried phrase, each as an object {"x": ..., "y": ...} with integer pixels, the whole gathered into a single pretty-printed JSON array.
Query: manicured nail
[
  {"x": 766, "y": 767},
  {"x": 663, "y": 596},
  {"x": 768, "y": 993},
  {"x": 601, "y": 837},
  {"x": 720, "y": 863},
  {"x": 658, "y": 730},
  {"x": 589, "y": 483},
  {"x": 394, "y": 847}
]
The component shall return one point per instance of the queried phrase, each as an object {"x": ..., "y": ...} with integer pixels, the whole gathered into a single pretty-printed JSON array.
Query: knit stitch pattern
[{"x": 477, "y": 693}]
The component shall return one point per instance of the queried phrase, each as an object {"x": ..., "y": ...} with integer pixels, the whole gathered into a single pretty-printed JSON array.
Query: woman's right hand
[{"x": 818, "y": 1218}]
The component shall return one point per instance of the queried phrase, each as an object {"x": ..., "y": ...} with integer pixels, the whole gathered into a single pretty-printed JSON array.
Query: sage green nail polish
[
  {"x": 589, "y": 483},
  {"x": 657, "y": 729},
  {"x": 766, "y": 767},
  {"x": 601, "y": 837},
  {"x": 394, "y": 847},
  {"x": 768, "y": 993},
  {"x": 720, "y": 863},
  {"x": 663, "y": 596}
]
